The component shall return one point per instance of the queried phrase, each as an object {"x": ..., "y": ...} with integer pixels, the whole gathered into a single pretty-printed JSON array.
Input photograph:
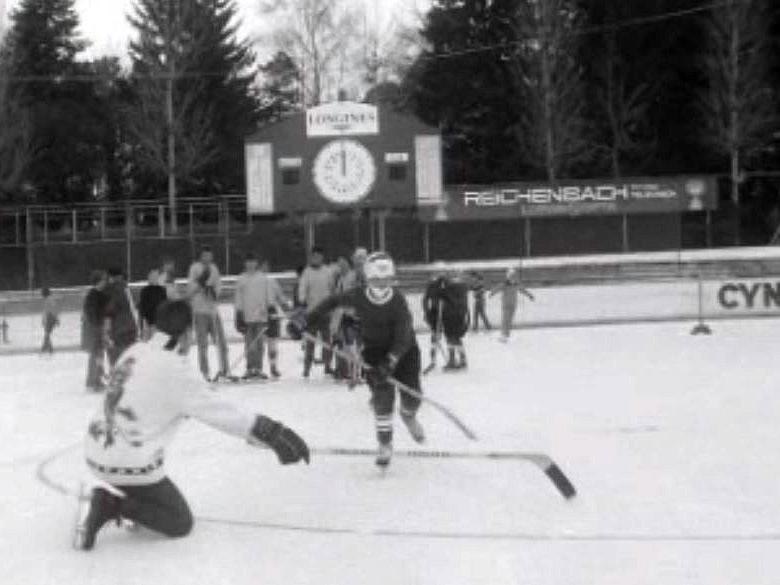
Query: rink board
[{"x": 675, "y": 300}]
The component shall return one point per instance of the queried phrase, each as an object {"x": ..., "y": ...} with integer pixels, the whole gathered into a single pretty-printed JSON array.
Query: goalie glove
[{"x": 288, "y": 446}]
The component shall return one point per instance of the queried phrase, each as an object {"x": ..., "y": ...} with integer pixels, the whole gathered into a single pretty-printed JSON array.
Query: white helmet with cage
[{"x": 380, "y": 276}]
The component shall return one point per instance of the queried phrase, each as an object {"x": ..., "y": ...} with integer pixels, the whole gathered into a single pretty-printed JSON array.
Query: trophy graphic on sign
[{"x": 695, "y": 189}]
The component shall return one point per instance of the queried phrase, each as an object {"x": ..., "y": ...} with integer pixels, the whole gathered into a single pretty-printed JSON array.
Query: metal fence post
[
  {"x": 625, "y": 233},
  {"x": 128, "y": 243},
  {"x": 226, "y": 210},
  {"x": 30, "y": 252},
  {"x": 527, "y": 236},
  {"x": 161, "y": 220},
  {"x": 427, "y": 242}
]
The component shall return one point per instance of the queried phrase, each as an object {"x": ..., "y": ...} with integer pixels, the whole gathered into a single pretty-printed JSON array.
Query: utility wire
[{"x": 610, "y": 27}]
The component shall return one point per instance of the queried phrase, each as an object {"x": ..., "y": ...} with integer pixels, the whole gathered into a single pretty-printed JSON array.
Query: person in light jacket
[
  {"x": 315, "y": 285},
  {"x": 204, "y": 283}
]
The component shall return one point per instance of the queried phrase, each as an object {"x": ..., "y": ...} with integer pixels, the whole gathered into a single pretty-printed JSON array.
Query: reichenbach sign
[
  {"x": 586, "y": 197},
  {"x": 342, "y": 119}
]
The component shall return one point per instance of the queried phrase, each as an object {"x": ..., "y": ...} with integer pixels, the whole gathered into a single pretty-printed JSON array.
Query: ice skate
[
  {"x": 103, "y": 507},
  {"x": 451, "y": 363},
  {"x": 275, "y": 373},
  {"x": 414, "y": 427},
  {"x": 384, "y": 454}
]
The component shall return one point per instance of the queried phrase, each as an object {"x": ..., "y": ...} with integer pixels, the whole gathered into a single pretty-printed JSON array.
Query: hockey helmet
[{"x": 379, "y": 266}]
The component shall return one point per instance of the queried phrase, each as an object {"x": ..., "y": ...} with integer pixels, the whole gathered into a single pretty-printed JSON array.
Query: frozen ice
[{"x": 670, "y": 439}]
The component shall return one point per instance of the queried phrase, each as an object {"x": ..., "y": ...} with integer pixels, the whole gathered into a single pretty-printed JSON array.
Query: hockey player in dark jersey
[
  {"x": 445, "y": 306},
  {"x": 389, "y": 347}
]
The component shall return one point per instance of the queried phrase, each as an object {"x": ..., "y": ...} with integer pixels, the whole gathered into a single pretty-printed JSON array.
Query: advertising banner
[{"x": 573, "y": 198}]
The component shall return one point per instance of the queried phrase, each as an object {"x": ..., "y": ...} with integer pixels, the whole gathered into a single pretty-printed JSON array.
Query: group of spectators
[{"x": 112, "y": 318}]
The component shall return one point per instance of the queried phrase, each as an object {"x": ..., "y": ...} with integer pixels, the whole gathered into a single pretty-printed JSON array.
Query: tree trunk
[
  {"x": 734, "y": 120},
  {"x": 548, "y": 111},
  {"x": 171, "y": 154}
]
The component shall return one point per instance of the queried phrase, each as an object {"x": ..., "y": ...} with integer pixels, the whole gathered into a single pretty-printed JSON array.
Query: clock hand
[{"x": 343, "y": 161}]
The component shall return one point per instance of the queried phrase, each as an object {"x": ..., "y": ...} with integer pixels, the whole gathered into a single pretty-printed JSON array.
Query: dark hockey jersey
[
  {"x": 445, "y": 297},
  {"x": 384, "y": 327}
]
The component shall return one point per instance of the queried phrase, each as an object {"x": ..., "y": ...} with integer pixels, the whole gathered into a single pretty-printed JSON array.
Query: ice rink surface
[{"x": 671, "y": 440}]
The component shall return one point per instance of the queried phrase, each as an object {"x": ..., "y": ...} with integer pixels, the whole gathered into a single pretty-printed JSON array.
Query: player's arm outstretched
[
  {"x": 526, "y": 292},
  {"x": 255, "y": 428}
]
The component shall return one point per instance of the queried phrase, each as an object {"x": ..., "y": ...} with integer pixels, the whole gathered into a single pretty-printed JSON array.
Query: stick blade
[{"x": 560, "y": 481}]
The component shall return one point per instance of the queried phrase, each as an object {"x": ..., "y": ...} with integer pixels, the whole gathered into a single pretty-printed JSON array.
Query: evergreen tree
[
  {"x": 548, "y": 79},
  {"x": 466, "y": 91},
  {"x": 43, "y": 43},
  {"x": 194, "y": 100},
  {"x": 739, "y": 105},
  {"x": 281, "y": 88},
  {"x": 15, "y": 138}
]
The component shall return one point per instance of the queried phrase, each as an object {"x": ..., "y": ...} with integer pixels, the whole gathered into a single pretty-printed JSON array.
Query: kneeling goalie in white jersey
[{"x": 153, "y": 388}]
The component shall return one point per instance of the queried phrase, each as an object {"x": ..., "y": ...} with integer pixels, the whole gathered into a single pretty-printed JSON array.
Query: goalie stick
[
  {"x": 540, "y": 460},
  {"x": 400, "y": 385}
]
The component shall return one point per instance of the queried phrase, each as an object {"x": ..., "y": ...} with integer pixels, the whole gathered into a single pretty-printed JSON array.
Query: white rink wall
[{"x": 604, "y": 303}]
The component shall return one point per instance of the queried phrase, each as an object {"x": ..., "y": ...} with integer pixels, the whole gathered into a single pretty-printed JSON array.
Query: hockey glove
[
  {"x": 287, "y": 445},
  {"x": 240, "y": 322},
  {"x": 382, "y": 371}
]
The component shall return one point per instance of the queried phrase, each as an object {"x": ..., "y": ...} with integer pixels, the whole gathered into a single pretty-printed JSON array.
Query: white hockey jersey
[{"x": 151, "y": 392}]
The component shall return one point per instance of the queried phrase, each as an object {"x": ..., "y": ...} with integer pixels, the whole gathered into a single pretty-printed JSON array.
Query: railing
[{"x": 79, "y": 223}]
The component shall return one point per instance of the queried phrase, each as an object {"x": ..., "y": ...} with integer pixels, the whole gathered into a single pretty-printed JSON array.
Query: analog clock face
[{"x": 344, "y": 171}]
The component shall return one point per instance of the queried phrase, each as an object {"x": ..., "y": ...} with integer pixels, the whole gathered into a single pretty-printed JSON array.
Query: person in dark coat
[
  {"x": 120, "y": 326},
  {"x": 92, "y": 336},
  {"x": 151, "y": 296}
]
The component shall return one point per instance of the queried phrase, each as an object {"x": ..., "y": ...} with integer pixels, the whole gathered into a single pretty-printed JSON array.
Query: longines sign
[
  {"x": 342, "y": 119},
  {"x": 633, "y": 195}
]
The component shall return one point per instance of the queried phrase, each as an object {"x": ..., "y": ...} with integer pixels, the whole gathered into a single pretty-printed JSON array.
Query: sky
[{"x": 104, "y": 24}]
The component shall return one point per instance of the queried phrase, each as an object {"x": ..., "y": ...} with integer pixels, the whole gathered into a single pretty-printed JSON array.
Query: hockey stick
[
  {"x": 400, "y": 385},
  {"x": 542, "y": 461}
]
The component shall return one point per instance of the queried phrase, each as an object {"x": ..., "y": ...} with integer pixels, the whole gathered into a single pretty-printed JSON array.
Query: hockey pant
[
  {"x": 383, "y": 395},
  {"x": 455, "y": 327},
  {"x": 159, "y": 506}
]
